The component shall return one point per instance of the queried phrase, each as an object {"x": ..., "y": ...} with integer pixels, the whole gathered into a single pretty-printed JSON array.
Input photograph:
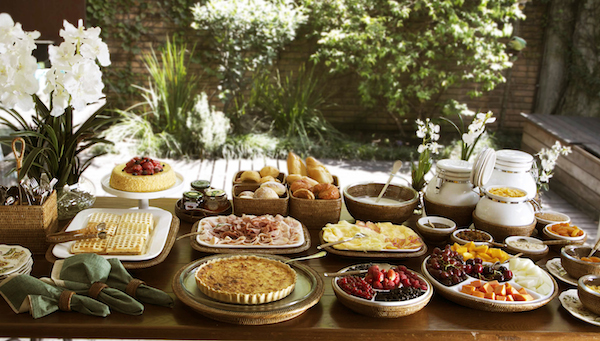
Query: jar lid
[
  {"x": 200, "y": 185},
  {"x": 217, "y": 193},
  {"x": 454, "y": 169},
  {"x": 192, "y": 195},
  {"x": 483, "y": 167},
  {"x": 514, "y": 160}
]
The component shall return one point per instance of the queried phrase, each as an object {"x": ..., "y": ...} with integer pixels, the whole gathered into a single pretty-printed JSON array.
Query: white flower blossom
[
  {"x": 547, "y": 159},
  {"x": 428, "y": 131}
]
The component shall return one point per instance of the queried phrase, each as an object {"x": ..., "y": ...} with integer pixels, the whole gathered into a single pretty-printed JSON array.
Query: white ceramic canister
[
  {"x": 451, "y": 185},
  {"x": 508, "y": 211},
  {"x": 513, "y": 169}
]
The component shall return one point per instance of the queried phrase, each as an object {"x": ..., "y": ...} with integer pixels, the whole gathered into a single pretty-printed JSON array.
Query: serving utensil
[
  {"x": 313, "y": 256},
  {"x": 357, "y": 235},
  {"x": 97, "y": 231},
  {"x": 19, "y": 155},
  {"x": 344, "y": 273},
  {"x": 595, "y": 248},
  {"x": 395, "y": 168}
]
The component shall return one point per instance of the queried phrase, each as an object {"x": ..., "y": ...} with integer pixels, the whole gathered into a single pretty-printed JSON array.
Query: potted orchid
[
  {"x": 547, "y": 161},
  {"x": 54, "y": 145},
  {"x": 428, "y": 132}
]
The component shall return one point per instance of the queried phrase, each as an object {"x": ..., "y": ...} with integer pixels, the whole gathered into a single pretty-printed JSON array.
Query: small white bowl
[
  {"x": 435, "y": 234},
  {"x": 455, "y": 238},
  {"x": 543, "y": 221},
  {"x": 553, "y": 235},
  {"x": 527, "y": 252}
]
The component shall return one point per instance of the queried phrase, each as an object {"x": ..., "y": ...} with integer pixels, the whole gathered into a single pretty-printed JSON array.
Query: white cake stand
[{"x": 143, "y": 197}]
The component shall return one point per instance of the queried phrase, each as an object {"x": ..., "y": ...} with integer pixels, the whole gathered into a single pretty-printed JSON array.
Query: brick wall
[{"x": 507, "y": 101}]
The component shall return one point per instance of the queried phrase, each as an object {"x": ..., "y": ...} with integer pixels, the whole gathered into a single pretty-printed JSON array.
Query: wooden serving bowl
[
  {"x": 500, "y": 232},
  {"x": 461, "y": 215},
  {"x": 588, "y": 297},
  {"x": 406, "y": 197},
  {"x": 570, "y": 258}
]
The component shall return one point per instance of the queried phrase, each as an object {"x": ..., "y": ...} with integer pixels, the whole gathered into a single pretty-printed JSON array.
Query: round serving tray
[
  {"x": 382, "y": 309},
  {"x": 271, "y": 250},
  {"x": 307, "y": 292},
  {"x": 374, "y": 254},
  {"x": 452, "y": 294}
]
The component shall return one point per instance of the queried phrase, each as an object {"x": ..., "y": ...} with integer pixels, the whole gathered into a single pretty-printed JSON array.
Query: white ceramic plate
[
  {"x": 13, "y": 258},
  {"x": 570, "y": 301},
  {"x": 142, "y": 195},
  {"x": 158, "y": 238},
  {"x": 555, "y": 267},
  {"x": 246, "y": 246}
]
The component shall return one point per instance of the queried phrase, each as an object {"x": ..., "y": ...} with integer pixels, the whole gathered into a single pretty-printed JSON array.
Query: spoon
[
  {"x": 595, "y": 248},
  {"x": 313, "y": 256},
  {"x": 357, "y": 235},
  {"x": 395, "y": 168}
]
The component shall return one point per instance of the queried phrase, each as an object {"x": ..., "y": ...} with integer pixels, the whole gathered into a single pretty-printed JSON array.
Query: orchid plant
[
  {"x": 74, "y": 80},
  {"x": 429, "y": 133},
  {"x": 547, "y": 162},
  {"x": 474, "y": 131}
]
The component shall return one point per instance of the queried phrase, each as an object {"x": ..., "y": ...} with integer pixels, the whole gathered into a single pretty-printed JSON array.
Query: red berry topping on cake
[{"x": 143, "y": 166}]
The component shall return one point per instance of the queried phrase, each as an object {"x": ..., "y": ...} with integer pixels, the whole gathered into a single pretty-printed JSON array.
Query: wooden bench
[{"x": 577, "y": 175}]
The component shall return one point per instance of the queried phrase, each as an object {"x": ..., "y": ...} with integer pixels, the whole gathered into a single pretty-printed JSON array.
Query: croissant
[
  {"x": 304, "y": 193},
  {"x": 326, "y": 191},
  {"x": 300, "y": 184}
]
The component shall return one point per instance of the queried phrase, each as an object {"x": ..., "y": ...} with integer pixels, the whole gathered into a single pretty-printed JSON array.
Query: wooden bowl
[
  {"x": 589, "y": 298},
  {"x": 256, "y": 206},
  {"x": 397, "y": 213},
  {"x": 500, "y": 232},
  {"x": 435, "y": 234},
  {"x": 461, "y": 215},
  {"x": 570, "y": 258}
]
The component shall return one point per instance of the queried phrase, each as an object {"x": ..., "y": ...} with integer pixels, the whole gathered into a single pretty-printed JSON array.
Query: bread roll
[
  {"x": 290, "y": 179},
  {"x": 318, "y": 171},
  {"x": 250, "y": 176},
  {"x": 295, "y": 164},
  {"x": 267, "y": 179},
  {"x": 276, "y": 186},
  {"x": 269, "y": 171},
  {"x": 265, "y": 193},
  {"x": 300, "y": 184},
  {"x": 246, "y": 194}
]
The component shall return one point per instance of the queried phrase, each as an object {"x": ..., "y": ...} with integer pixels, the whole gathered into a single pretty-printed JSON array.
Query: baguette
[
  {"x": 316, "y": 170},
  {"x": 295, "y": 164}
]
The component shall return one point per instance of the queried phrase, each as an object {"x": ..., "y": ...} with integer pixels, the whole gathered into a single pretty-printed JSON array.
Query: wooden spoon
[
  {"x": 315, "y": 255},
  {"x": 395, "y": 168},
  {"x": 595, "y": 248}
]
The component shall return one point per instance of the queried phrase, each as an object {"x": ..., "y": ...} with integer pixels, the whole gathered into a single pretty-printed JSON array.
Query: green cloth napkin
[
  {"x": 119, "y": 278},
  {"x": 78, "y": 273},
  {"x": 25, "y": 293}
]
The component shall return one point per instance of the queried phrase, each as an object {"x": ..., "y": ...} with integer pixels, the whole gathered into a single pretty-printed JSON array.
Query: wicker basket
[
  {"x": 500, "y": 232},
  {"x": 236, "y": 179},
  {"x": 461, "y": 215},
  {"x": 258, "y": 206},
  {"x": 28, "y": 225},
  {"x": 315, "y": 214}
]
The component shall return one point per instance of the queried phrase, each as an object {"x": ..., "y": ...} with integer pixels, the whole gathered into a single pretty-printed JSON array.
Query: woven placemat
[
  {"x": 261, "y": 314},
  {"x": 171, "y": 237},
  {"x": 373, "y": 254},
  {"x": 273, "y": 251}
]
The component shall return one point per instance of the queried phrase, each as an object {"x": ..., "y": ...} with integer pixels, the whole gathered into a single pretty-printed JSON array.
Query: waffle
[
  {"x": 130, "y": 228},
  {"x": 139, "y": 217},
  {"x": 91, "y": 245},
  {"x": 99, "y": 217},
  {"x": 126, "y": 245}
]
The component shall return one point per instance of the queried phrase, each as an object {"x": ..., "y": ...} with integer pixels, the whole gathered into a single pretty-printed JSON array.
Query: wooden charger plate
[
  {"x": 308, "y": 291},
  {"x": 455, "y": 296},
  {"x": 272, "y": 250},
  {"x": 171, "y": 237},
  {"x": 374, "y": 254}
]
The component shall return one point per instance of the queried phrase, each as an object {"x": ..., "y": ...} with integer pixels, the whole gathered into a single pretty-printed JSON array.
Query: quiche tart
[{"x": 246, "y": 279}]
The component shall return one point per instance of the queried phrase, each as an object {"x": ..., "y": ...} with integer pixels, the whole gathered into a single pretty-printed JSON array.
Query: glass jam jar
[
  {"x": 215, "y": 200},
  {"x": 451, "y": 184},
  {"x": 192, "y": 200},
  {"x": 201, "y": 186},
  {"x": 514, "y": 169}
]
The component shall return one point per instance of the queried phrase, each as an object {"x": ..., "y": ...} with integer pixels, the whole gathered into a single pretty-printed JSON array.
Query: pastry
[
  {"x": 245, "y": 279},
  {"x": 276, "y": 186},
  {"x": 142, "y": 175},
  {"x": 295, "y": 164},
  {"x": 318, "y": 171},
  {"x": 304, "y": 183},
  {"x": 326, "y": 191},
  {"x": 269, "y": 171},
  {"x": 290, "y": 179},
  {"x": 265, "y": 193},
  {"x": 304, "y": 193}
]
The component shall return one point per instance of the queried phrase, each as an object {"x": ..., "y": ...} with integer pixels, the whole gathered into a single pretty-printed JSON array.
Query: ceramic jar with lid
[
  {"x": 451, "y": 185},
  {"x": 505, "y": 210},
  {"x": 513, "y": 169},
  {"x": 450, "y": 193}
]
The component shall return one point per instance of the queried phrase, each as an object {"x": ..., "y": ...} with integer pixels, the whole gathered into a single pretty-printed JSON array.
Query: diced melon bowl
[{"x": 485, "y": 278}]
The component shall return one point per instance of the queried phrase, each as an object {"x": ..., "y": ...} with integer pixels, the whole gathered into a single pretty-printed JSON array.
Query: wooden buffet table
[{"x": 328, "y": 320}]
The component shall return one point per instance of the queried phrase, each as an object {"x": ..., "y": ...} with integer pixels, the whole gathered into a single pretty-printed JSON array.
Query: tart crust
[
  {"x": 245, "y": 279},
  {"x": 123, "y": 181}
]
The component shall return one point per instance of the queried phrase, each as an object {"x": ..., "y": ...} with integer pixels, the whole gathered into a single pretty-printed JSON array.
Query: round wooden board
[
  {"x": 309, "y": 290},
  {"x": 486, "y": 304},
  {"x": 274, "y": 251},
  {"x": 171, "y": 237},
  {"x": 374, "y": 254}
]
